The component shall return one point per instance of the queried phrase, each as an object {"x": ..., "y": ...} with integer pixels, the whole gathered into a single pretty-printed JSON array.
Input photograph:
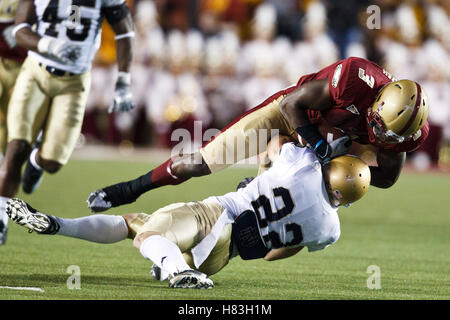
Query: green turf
[{"x": 404, "y": 231}]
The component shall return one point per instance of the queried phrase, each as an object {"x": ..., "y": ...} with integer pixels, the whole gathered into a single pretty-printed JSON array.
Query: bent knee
[
  {"x": 140, "y": 238},
  {"x": 191, "y": 165},
  {"x": 50, "y": 166}
]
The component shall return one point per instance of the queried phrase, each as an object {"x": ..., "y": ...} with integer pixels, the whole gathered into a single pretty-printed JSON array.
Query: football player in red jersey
[{"x": 355, "y": 95}]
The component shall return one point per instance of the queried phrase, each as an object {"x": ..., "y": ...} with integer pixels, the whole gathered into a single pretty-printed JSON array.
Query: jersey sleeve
[
  {"x": 320, "y": 232},
  {"x": 345, "y": 82}
]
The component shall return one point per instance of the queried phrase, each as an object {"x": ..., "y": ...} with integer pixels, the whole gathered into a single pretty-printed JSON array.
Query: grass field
[{"x": 405, "y": 231}]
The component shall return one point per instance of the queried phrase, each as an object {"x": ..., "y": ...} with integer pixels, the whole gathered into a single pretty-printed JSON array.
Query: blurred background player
[
  {"x": 11, "y": 59},
  {"x": 190, "y": 241},
  {"x": 53, "y": 85}
]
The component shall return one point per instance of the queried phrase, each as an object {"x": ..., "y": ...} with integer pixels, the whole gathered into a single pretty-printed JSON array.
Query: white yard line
[{"x": 23, "y": 288}]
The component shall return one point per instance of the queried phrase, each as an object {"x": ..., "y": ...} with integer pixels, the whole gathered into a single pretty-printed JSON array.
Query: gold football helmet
[
  {"x": 399, "y": 111},
  {"x": 347, "y": 179}
]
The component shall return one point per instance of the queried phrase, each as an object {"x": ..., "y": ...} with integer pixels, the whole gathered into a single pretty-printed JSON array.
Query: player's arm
[
  {"x": 313, "y": 95},
  {"x": 390, "y": 165},
  {"x": 119, "y": 17},
  {"x": 282, "y": 253},
  {"x": 25, "y": 37},
  {"x": 25, "y": 18}
]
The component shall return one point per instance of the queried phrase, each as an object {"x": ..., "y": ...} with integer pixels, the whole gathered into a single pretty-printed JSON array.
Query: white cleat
[
  {"x": 191, "y": 279},
  {"x": 159, "y": 274},
  {"x": 23, "y": 214}
]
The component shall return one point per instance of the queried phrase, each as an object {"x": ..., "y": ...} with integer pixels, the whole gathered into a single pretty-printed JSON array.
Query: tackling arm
[
  {"x": 313, "y": 95},
  {"x": 390, "y": 165}
]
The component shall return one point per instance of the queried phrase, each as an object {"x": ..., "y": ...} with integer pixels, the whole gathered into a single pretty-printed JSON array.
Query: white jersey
[
  {"x": 76, "y": 21},
  {"x": 290, "y": 201}
]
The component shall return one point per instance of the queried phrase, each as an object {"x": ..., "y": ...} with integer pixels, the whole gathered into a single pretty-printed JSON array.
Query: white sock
[
  {"x": 100, "y": 228},
  {"x": 33, "y": 159},
  {"x": 3, "y": 215},
  {"x": 164, "y": 253}
]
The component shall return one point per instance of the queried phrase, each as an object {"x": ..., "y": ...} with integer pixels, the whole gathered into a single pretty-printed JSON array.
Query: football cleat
[
  {"x": 191, "y": 279},
  {"x": 158, "y": 274},
  {"x": 3, "y": 232},
  {"x": 23, "y": 214},
  {"x": 32, "y": 177}
]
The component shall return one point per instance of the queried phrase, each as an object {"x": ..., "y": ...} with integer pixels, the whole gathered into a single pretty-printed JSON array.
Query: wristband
[
  {"x": 18, "y": 27},
  {"x": 318, "y": 144},
  {"x": 124, "y": 77}
]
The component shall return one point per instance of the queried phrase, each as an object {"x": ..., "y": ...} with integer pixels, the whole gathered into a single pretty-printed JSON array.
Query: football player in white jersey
[
  {"x": 288, "y": 207},
  {"x": 53, "y": 85}
]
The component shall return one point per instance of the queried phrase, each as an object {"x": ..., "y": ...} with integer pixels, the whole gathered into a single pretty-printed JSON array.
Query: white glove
[
  {"x": 60, "y": 50},
  {"x": 123, "y": 99},
  {"x": 9, "y": 37}
]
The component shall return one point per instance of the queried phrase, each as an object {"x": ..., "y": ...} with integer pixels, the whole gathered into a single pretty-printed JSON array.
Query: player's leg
[
  {"x": 164, "y": 236},
  {"x": 247, "y": 136},
  {"x": 61, "y": 131},
  {"x": 95, "y": 228},
  {"x": 27, "y": 109}
]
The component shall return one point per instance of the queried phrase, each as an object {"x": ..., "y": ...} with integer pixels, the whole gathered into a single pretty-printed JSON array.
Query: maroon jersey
[
  {"x": 17, "y": 53},
  {"x": 353, "y": 85}
]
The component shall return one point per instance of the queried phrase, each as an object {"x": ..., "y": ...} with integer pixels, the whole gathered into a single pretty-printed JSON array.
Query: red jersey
[
  {"x": 17, "y": 53},
  {"x": 353, "y": 85}
]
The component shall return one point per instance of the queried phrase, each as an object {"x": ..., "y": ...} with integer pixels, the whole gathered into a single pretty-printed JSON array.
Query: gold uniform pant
[
  {"x": 54, "y": 104},
  {"x": 186, "y": 224},
  {"x": 248, "y": 135},
  {"x": 9, "y": 69}
]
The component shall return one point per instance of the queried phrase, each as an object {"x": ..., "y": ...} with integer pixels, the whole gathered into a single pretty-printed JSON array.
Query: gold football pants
[
  {"x": 54, "y": 104},
  {"x": 9, "y": 69},
  {"x": 186, "y": 224}
]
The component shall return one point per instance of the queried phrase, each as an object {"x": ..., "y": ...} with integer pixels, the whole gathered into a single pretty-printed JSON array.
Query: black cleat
[
  {"x": 3, "y": 232},
  {"x": 31, "y": 178},
  {"x": 23, "y": 214}
]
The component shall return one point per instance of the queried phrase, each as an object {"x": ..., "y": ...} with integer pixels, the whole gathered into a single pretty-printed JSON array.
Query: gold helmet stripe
[{"x": 416, "y": 110}]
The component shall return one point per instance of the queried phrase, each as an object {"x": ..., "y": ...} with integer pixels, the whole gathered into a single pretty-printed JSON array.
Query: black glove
[
  {"x": 324, "y": 151},
  {"x": 118, "y": 194},
  {"x": 244, "y": 183}
]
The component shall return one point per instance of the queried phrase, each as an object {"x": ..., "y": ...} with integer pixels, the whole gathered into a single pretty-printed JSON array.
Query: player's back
[{"x": 290, "y": 201}]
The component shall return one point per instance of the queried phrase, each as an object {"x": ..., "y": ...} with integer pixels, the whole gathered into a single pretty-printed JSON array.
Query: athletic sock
[
  {"x": 162, "y": 176},
  {"x": 3, "y": 215},
  {"x": 99, "y": 228},
  {"x": 33, "y": 159},
  {"x": 164, "y": 253}
]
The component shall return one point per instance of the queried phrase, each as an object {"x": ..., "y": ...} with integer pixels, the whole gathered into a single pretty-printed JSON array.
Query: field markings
[{"x": 23, "y": 288}]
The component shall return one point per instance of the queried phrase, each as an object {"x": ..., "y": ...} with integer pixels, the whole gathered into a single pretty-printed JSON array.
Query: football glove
[
  {"x": 336, "y": 148},
  {"x": 123, "y": 100},
  {"x": 244, "y": 183},
  {"x": 59, "y": 50},
  {"x": 9, "y": 37}
]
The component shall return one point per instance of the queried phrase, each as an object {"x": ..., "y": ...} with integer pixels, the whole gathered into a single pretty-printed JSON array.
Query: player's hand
[
  {"x": 9, "y": 38},
  {"x": 97, "y": 203},
  {"x": 336, "y": 148},
  {"x": 123, "y": 99},
  {"x": 113, "y": 196},
  {"x": 59, "y": 50}
]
